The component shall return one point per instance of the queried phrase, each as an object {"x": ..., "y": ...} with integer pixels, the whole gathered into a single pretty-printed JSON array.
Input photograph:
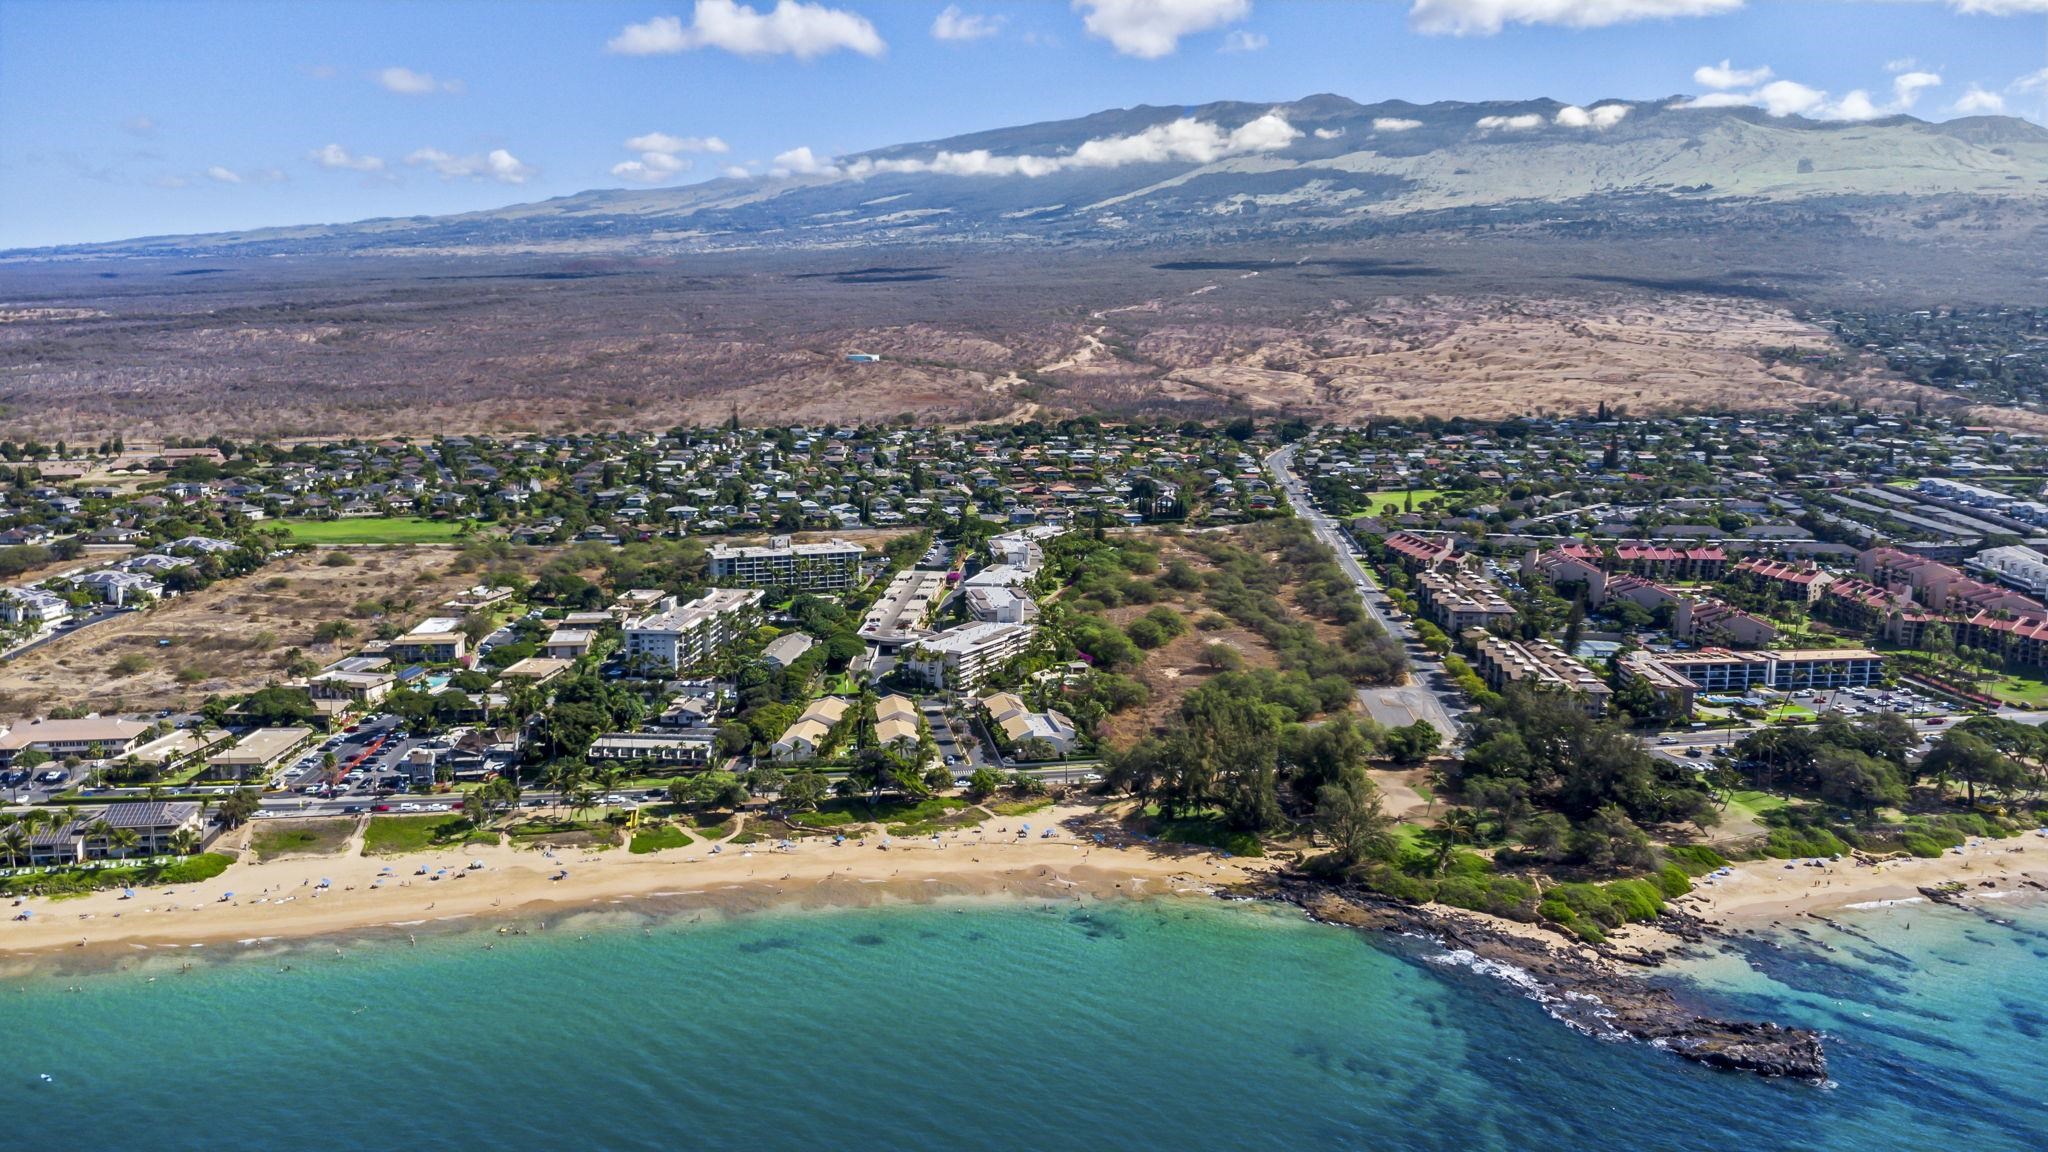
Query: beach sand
[
  {"x": 283, "y": 900},
  {"x": 1758, "y": 893}
]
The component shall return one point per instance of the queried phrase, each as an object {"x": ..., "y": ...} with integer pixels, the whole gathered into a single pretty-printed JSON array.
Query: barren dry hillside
[
  {"x": 231, "y": 637},
  {"x": 1486, "y": 328}
]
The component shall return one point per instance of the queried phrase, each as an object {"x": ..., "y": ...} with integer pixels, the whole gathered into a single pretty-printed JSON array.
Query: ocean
[{"x": 1170, "y": 1024}]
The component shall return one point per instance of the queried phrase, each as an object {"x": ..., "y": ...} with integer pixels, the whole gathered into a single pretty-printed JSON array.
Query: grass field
[
  {"x": 301, "y": 838},
  {"x": 2018, "y": 691},
  {"x": 1748, "y": 804},
  {"x": 373, "y": 530},
  {"x": 657, "y": 838},
  {"x": 394, "y": 835},
  {"x": 1396, "y": 497}
]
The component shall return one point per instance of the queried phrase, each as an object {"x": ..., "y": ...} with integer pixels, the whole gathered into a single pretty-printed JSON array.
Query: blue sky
[{"x": 128, "y": 119}]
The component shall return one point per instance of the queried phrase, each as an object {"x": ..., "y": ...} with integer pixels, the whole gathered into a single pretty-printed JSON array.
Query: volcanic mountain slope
[{"x": 1321, "y": 167}]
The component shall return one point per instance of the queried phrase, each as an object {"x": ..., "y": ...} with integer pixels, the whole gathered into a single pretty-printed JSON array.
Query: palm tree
[
  {"x": 103, "y": 832},
  {"x": 15, "y": 840},
  {"x": 123, "y": 841},
  {"x": 1460, "y": 826},
  {"x": 184, "y": 842}
]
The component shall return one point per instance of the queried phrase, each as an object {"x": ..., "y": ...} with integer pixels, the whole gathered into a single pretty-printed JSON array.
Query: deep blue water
[{"x": 1168, "y": 1025}]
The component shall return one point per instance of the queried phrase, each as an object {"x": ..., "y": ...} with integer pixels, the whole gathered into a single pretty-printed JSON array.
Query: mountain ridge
[{"x": 1320, "y": 166}]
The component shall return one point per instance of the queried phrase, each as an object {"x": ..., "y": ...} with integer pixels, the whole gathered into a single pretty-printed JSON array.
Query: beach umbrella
[{"x": 325, "y": 882}]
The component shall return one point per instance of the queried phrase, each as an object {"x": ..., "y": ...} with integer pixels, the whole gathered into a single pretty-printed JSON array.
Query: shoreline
[
  {"x": 1758, "y": 894},
  {"x": 282, "y": 900}
]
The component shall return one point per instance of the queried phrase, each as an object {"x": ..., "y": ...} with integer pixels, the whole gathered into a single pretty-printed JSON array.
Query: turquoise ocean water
[{"x": 1163, "y": 1025}]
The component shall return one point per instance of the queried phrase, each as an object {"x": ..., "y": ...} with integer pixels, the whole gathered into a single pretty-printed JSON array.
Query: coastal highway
[{"x": 1427, "y": 695}]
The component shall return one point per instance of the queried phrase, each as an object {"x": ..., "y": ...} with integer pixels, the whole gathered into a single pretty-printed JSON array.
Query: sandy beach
[
  {"x": 1759, "y": 893},
  {"x": 283, "y": 899}
]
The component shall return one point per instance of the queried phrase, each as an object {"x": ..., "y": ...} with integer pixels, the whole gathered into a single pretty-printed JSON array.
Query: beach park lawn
[
  {"x": 658, "y": 838},
  {"x": 1205, "y": 830},
  {"x": 903, "y": 817},
  {"x": 300, "y": 838},
  {"x": 373, "y": 530},
  {"x": 396, "y": 835}
]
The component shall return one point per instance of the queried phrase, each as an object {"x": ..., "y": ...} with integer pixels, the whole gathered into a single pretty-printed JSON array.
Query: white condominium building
[
  {"x": 680, "y": 637},
  {"x": 960, "y": 658},
  {"x": 832, "y": 566}
]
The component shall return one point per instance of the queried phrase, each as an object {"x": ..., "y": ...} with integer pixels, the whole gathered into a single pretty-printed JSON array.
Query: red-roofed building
[
  {"x": 1801, "y": 583},
  {"x": 1420, "y": 553},
  {"x": 1702, "y": 622}
]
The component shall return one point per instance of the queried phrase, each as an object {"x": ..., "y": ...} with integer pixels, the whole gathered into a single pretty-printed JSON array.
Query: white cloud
[
  {"x": 335, "y": 156},
  {"x": 497, "y": 164},
  {"x": 221, "y": 174},
  {"x": 663, "y": 142},
  {"x": 1329, "y": 133},
  {"x": 1187, "y": 141},
  {"x": 407, "y": 82},
  {"x": 1486, "y": 17},
  {"x": 660, "y": 158},
  {"x": 953, "y": 24},
  {"x": 1395, "y": 124},
  {"x": 1907, "y": 86},
  {"x": 141, "y": 126},
  {"x": 2031, "y": 82},
  {"x": 1600, "y": 117},
  {"x": 1791, "y": 98},
  {"x": 1976, "y": 101},
  {"x": 1521, "y": 123},
  {"x": 1725, "y": 75},
  {"x": 171, "y": 180},
  {"x": 1150, "y": 29},
  {"x": 1998, "y": 7},
  {"x": 791, "y": 28},
  {"x": 1243, "y": 41},
  {"x": 735, "y": 172},
  {"x": 803, "y": 162}
]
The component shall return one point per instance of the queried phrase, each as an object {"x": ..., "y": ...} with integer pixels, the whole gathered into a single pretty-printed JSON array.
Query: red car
[{"x": 380, "y": 808}]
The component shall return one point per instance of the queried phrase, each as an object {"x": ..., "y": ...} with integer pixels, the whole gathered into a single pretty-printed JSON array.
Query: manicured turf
[
  {"x": 1395, "y": 497},
  {"x": 373, "y": 530},
  {"x": 2017, "y": 691},
  {"x": 657, "y": 838},
  {"x": 392, "y": 835},
  {"x": 300, "y": 838}
]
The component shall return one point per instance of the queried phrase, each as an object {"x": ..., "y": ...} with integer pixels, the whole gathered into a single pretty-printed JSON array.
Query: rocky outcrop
[{"x": 1578, "y": 988}]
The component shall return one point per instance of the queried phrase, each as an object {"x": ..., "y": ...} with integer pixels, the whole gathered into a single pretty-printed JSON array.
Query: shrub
[
  {"x": 1695, "y": 859},
  {"x": 1788, "y": 843},
  {"x": 1673, "y": 881}
]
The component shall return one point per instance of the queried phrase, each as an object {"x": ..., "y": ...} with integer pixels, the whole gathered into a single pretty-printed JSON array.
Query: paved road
[{"x": 1426, "y": 695}]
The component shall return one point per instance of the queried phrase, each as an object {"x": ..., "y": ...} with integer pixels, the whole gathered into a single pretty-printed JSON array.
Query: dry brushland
[
  {"x": 233, "y": 636},
  {"x": 1483, "y": 326}
]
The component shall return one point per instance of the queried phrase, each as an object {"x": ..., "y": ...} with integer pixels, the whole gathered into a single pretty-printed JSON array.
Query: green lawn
[
  {"x": 62, "y": 882},
  {"x": 902, "y": 817},
  {"x": 300, "y": 838},
  {"x": 564, "y": 833},
  {"x": 658, "y": 838},
  {"x": 393, "y": 835},
  {"x": 1751, "y": 804},
  {"x": 1396, "y": 497},
  {"x": 1206, "y": 830},
  {"x": 1018, "y": 807},
  {"x": 2019, "y": 691},
  {"x": 373, "y": 530}
]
